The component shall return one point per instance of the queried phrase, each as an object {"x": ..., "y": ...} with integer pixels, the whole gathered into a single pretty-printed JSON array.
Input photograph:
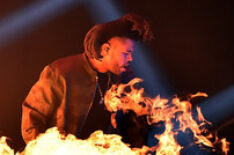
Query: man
[{"x": 69, "y": 92}]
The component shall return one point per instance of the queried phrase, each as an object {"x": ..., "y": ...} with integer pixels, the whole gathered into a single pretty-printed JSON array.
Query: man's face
[{"x": 119, "y": 54}]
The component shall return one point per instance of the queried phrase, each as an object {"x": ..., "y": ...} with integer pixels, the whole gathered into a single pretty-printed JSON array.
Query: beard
[{"x": 117, "y": 70}]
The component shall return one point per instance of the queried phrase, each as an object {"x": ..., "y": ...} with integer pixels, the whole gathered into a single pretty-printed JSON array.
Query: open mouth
[{"x": 125, "y": 67}]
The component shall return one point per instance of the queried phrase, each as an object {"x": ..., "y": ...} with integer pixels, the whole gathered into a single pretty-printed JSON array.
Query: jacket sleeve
[{"x": 41, "y": 103}]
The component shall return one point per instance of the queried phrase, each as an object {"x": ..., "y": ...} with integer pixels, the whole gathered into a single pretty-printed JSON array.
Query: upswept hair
[{"x": 130, "y": 26}]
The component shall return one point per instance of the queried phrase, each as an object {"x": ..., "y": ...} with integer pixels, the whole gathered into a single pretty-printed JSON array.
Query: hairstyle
[{"x": 130, "y": 26}]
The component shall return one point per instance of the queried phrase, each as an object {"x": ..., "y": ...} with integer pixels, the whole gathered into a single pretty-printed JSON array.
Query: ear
[{"x": 105, "y": 49}]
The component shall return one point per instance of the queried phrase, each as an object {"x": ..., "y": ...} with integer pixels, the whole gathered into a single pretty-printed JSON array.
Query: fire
[
  {"x": 198, "y": 94},
  {"x": 225, "y": 145},
  {"x": 167, "y": 144},
  {"x": 4, "y": 148},
  {"x": 176, "y": 115},
  {"x": 125, "y": 97},
  {"x": 54, "y": 143}
]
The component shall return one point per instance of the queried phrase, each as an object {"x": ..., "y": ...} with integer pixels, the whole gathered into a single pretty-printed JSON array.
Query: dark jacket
[{"x": 61, "y": 97}]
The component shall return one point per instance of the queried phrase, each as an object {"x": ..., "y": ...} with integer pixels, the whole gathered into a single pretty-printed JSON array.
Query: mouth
[{"x": 125, "y": 67}]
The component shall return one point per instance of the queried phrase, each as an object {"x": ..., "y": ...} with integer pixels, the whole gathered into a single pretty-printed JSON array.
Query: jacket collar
[{"x": 88, "y": 66}]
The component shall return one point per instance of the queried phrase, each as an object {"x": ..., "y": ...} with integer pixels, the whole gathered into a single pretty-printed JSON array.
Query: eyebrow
[{"x": 130, "y": 51}]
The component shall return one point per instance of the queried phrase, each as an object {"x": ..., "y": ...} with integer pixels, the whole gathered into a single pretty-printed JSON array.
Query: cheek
[
  {"x": 120, "y": 61},
  {"x": 122, "y": 58},
  {"x": 117, "y": 59}
]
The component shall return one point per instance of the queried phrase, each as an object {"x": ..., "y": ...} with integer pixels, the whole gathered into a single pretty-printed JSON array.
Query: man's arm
[{"x": 41, "y": 103}]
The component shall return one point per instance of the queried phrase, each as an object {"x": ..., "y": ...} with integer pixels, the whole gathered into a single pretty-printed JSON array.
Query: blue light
[{"x": 30, "y": 17}]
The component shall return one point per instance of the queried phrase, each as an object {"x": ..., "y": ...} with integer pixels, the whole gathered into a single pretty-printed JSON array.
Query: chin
[{"x": 117, "y": 72}]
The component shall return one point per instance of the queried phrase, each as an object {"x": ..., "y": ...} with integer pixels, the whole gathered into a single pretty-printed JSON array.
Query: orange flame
[
  {"x": 4, "y": 148},
  {"x": 167, "y": 144},
  {"x": 157, "y": 110},
  {"x": 126, "y": 97},
  {"x": 225, "y": 145},
  {"x": 198, "y": 94},
  {"x": 53, "y": 143}
]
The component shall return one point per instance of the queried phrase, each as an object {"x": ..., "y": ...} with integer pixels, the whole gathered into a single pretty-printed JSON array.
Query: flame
[
  {"x": 167, "y": 144},
  {"x": 54, "y": 143},
  {"x": 4, "y": 148},
  {"x": 225, "y": 145},
  {"x": 198, "y": 94},
  {"x": 125, "y": 97}
]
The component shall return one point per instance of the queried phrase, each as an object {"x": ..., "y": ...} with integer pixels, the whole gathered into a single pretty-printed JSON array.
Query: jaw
[{"x": 116, "y": 70}]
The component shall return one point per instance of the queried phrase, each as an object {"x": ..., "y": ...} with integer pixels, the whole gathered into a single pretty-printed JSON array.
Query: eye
[{"x": 125, "y": 54}]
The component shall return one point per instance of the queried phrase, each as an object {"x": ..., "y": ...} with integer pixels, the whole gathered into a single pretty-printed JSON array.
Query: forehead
[{"x": 121, "y": 42}]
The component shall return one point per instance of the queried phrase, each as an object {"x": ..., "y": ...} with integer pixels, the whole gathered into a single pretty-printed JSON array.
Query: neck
[{"x": 98, "y": 65}]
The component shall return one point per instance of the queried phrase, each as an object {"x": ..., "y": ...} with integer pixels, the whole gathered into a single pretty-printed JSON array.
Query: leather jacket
[{"x": 61, "y": 97}]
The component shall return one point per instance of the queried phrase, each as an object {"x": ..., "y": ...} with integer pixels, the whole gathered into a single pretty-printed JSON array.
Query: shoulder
[
  {"x": 68, "y": 62},
  {"x": 61, "y": 67},
  {"x": 73, "y": 67},
  {"x": 69, "y": 65}
]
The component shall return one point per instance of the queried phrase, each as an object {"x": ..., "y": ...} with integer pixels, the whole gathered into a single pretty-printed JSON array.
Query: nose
[{"x": 130, "y": 57}]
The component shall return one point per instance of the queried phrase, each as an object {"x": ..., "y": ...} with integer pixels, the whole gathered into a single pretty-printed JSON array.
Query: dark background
[{"x": 193, "y": 47}]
